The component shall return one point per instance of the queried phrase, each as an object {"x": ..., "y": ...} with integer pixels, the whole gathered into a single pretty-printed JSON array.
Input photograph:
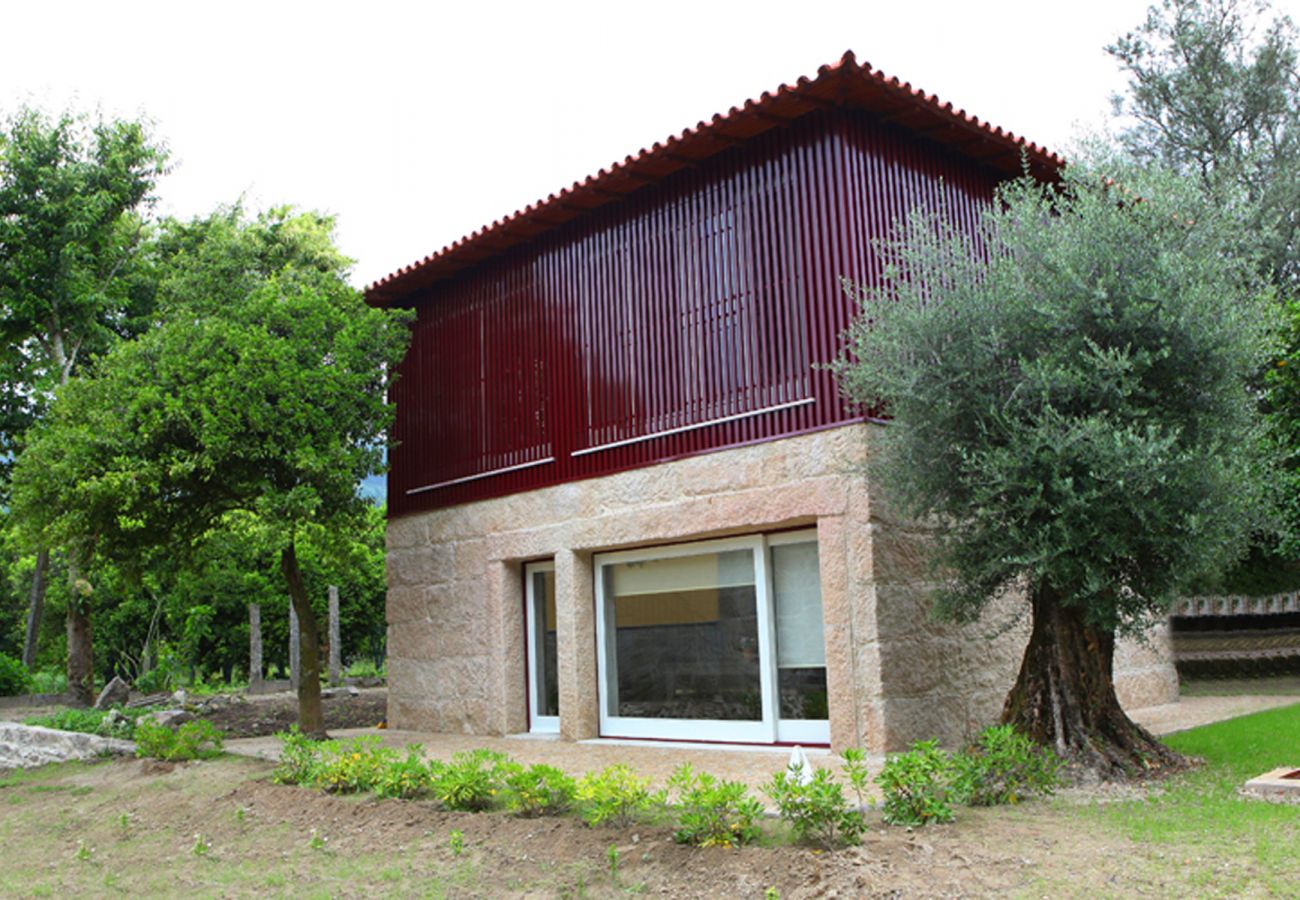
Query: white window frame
[
  {"x": 537, "y": 723},
  {"x": 766, "y": 730},
  {"x": 795, "y": 731}
]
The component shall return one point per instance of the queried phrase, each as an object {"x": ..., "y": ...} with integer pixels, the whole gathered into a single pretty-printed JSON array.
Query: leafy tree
[
  {"x": 1213, "y": 93},
  {"x": 1068, "y": 389},
  {"x": 268, "y": 399},
  {"x": 71, "y": 193}
]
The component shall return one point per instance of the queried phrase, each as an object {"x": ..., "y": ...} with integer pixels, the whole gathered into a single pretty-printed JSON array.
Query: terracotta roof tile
[{"x": 844, "y": 83}]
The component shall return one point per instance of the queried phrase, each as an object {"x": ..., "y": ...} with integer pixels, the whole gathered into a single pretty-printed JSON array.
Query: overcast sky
[{"x": 418, "y": 123}]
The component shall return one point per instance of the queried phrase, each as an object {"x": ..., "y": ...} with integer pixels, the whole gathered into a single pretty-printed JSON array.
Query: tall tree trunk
[
  {"x": 310, "y": 718},
  {"x": 35, "y": 607},
  {"x": 81, "y": 662},
  {"x": 1065, "y": 699}
]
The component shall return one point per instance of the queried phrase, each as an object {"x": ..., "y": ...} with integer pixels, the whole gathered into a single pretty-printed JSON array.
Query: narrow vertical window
[
  {"x": 543, "y": 667},
  {"x": 800, "y": 640}
]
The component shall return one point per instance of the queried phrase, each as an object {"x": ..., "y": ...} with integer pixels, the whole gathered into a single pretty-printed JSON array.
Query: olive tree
[{"x": 1067, "y": 385}]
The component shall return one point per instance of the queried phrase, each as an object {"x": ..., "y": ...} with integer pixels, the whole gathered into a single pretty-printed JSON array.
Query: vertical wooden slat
[{"x": 618, "y": 325}]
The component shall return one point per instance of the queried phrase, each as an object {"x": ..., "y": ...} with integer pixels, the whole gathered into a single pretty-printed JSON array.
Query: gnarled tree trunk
[
  {"x": 1065, "y": 699},
  {"x": 310, "y": 717}
]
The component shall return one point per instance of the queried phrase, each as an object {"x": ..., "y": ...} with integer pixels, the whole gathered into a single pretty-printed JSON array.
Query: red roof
[{"x": 846, "y": 83}]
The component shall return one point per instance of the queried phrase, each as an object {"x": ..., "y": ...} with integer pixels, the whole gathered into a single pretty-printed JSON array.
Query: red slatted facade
[{"x": 690, "y": 316}]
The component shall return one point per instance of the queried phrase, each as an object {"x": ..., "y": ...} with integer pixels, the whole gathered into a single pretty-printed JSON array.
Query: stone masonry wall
[{"x": 455, "y": 607}]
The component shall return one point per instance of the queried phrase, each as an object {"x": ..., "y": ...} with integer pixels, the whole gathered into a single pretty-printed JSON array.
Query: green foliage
[
  {"x": 1003, "y": 766},
  {"x": 299, "y": 757},
  {"x": 456, "y": 841},
  {"x": 614, "y": 796},
  {"x": 14, "y": 679},
  {"x": 711, "y": 812},
  {"x": 47, "y": 681},
  {"x": 855, "y": 769},
  {"x": 259, "y": 399},
  {"x": 70, "y": 192},
  {"x": 349, "y": 767},
  {"x": 917, "y": 785},
  {"x": 92, "y": 721},
  {"x": 538, "y": 790},
  {"x": 816, "y": 809},
  {"x": 406, "y": 777},
  {"x": 1069, "y": 392},
  {"x": 271, "y": 402},
  {"x": 199, "y": 739},
  {"x": 472, "y": 781},
  {"x": 1213, "y": 94}
]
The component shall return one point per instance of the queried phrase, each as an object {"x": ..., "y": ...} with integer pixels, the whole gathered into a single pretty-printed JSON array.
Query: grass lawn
[
  {"x": 218, "y": 828},
  {"x": 1198, "y": 815}
]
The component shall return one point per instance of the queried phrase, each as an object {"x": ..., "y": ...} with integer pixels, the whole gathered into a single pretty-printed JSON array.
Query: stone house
[{"x": 627, "y": 499}]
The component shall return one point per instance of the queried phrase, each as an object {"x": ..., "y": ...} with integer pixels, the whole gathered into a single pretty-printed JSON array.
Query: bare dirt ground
[
  {"x": 131, "y": 826},
  {"x": 254, "y": 716}
]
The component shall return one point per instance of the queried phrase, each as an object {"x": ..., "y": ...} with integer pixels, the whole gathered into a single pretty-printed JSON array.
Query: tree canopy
[
  {"x": 1068, "y": 388},
  {"x": 261, "y": 392}
]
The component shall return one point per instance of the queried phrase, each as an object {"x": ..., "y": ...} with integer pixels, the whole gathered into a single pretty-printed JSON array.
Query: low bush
[
  {"x": 539, "y": 791},
  {"x": 855, "y": 770},
  {"x": 406, "y": 777},
  {"x": 472, "y": 781},
  {"x": 917, "y": 785},
  {"x": 107, "y": 723},
  {"x": 815, "y": 808},
  {"x": 299, "y": 757},
  {"x": 14, "y": 677},
  {"x": 199, "y": 739},
  {"x": 614, "y": 796},
  {"x": 711, "y": 812},
  {"x": 49, "y": 681},
  {"x": 1004, "y": 766},
  {"x": 349, "y": 767}
]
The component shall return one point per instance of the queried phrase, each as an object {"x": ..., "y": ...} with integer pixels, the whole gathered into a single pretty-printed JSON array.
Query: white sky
[{"x": 417, "y": 123}]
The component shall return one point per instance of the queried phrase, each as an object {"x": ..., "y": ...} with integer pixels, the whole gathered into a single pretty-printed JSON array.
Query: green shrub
[
  {"x": 1004, "y": 766},
  {"x": 712, "y": 813},
  {"x": 14, "y": 678},
  {"x": 406, "y": 777},
  {"x": 615, "y": 796},
  {"x": 92, "y": 721},
  {"x": 199, "y": 739},
  {"x": 349, "y": 767},
  {"x": 817, "y": 811},
  {"x": 855, "y": 769},
  {"x": 299, "y": 757},
  {"x": 86, "y": 721},
  {"x": 917, "y": 784},
  {"x": 539, "y": 791},
  {"x": 49, "y": 681},
  {"x": 472, "y": 782}
]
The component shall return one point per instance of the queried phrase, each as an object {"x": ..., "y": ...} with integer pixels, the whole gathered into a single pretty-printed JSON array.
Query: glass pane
[
  {"x": 803, "y": 693},
  {"x": 682, "y": 638},
  {"x": 546, "y": 665},
  {"x": 796, "y": 583}
]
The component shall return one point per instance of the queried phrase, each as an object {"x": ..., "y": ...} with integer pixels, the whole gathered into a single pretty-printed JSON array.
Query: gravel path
[{"x": 1192, "y": 712}]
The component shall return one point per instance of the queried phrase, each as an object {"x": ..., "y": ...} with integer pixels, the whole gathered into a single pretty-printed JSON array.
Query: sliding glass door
[{"x": 690, "y": 641}]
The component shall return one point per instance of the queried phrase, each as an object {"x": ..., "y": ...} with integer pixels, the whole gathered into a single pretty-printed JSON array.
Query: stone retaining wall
[{"x": 455, "y": 607}]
